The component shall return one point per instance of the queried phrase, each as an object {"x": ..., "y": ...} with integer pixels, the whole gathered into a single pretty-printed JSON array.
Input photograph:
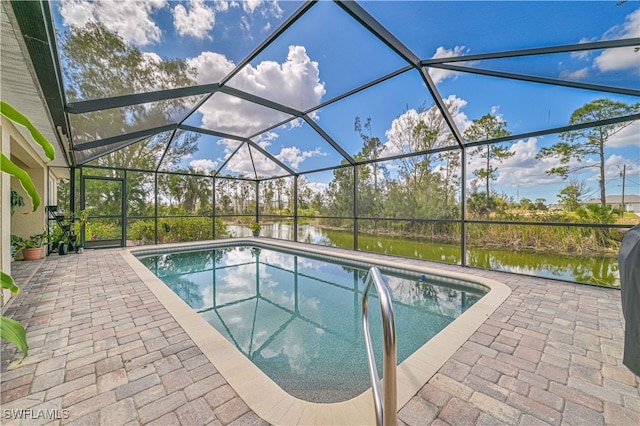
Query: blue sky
[{"x": 327, "y": 53}]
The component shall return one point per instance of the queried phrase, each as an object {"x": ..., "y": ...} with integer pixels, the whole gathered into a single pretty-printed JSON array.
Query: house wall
[
  {"x": 24, "y": 222},
  {"x": 632, "y": 207},
  {"x": 628, "y": 206},
  {"x": 5, "y": 224}
]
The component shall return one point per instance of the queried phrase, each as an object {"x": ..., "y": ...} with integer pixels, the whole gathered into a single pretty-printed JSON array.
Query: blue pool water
[{"x": 298, "y": 317}]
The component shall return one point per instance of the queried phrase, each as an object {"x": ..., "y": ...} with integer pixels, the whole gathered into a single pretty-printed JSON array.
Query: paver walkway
[{"x": 104, "y": 351}]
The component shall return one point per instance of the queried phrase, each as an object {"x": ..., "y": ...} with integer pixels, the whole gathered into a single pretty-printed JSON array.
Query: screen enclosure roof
[{"x": 276, "y": 88}]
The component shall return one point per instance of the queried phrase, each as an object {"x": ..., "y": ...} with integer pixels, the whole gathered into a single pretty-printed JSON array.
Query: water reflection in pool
[{"x": 298, "y": 318}]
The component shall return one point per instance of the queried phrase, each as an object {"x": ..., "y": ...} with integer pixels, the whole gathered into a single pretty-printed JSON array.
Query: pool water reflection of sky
[{"x": 299, "y": 319}]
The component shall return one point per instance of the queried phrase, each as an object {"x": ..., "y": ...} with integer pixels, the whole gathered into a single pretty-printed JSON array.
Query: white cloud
[
  {"x": 196, "y": 22},
  {"x": 130, "y": 20},
  {"x": 203, "y": 165},
  {"x": 294, "y": 156},
  {"x": 262, "y": 8},
  {"x": 618, "y": 59},
  {"x": 265, "y": 166},
  {"x": 582, "y": 54},
  {"x": 221, "y": 5},
  {"x": 522, "y": 170},
  {"x": 295, "y": 83},
  {"x": 245, "y": 25},
  {"x": 629, "y": 29},
  {"x": 580, "y": 74},
  {"x": 629, "y": 136},
  {"x": 318, "y": 187},
  {"x": 494, "y": 111},
  {"x": 210, "y": 66},
  {"x": 241, "y": 163},
  {"x": 438, "y": 74},
  {"x": 250, "y": 5},
  {"x": 613, "y": 166},
  {"x": 621, "y": 58},
  {"x": 274, "y": 10}
]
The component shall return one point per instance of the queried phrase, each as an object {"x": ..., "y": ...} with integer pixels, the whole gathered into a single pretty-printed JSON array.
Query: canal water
[{"x": 595, "y": 269}]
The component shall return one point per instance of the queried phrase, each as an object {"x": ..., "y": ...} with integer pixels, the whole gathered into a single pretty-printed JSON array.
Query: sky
[{"x": 326, "y": 53}]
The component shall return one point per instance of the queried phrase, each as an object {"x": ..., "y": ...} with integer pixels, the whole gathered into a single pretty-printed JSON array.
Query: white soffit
[{"x": 18, "y": 88}]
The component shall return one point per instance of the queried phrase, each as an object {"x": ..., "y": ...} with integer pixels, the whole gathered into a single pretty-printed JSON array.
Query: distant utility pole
[{"x": 623, "y": 174}]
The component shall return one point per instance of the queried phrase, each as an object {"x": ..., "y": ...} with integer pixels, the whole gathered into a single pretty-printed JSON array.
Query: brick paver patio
[{"x": 104, "y": 351}]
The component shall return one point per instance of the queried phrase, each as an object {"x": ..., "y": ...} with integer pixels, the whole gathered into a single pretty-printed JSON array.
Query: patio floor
[{"x": 103, "y": 350}]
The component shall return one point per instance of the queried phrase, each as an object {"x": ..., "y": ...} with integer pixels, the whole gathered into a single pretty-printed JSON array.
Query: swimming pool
[
  {"x": 261, "y": 393},
  {"x": 298, "y": 317}
]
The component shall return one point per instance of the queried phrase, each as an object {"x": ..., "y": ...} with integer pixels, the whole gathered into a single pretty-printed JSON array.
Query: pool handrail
[{"x": 385, "y": 404}]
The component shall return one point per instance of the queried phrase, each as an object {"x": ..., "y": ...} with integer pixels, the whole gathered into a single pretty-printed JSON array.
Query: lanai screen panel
[
  {"x": 381, "y": 122},
  {"x": 144, "y": 154},
  {"x": 603, "y": 67},
  {"x": 144, "y": 46},
  {"x": 108, "y": 123},
  {"x": 299, "y": 146},
  {"x": 442, "y": 28},
  {"x": 234, "y": 116},
  {"x": 322, "y": 55},
  {"x": 199, "y": 153}
]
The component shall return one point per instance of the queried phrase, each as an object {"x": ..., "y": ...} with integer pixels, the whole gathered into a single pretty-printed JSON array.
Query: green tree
[
  {"x": 576, "y": 146},
  {"x": 223, "y": 197},
  {"x": 571, "y": 195},
  {"x": 541, "y": 204},
  {"x": 171, "y": 194},
  {"x": 101, "y": 64},
  {"x": 478, "y": 204},
  {"x": 318, "y": 202},
  {"x": 244, "y": 191},
  {"x": 426, "y": 182},
  {"x": 305, "y": 194},
  {"x": 268, "y": 193},
  {"x": 526, "y": 204},
  {"x": 234, "y": 194},
  {"x": 340, "y": 192},
  {"x": 371, "y": 151},
  {"x": 279, "y": 184},
  {"x": 485, "y": 128}
]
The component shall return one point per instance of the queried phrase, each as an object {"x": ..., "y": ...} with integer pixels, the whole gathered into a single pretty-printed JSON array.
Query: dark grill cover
[{"x": 629, "y": 260}]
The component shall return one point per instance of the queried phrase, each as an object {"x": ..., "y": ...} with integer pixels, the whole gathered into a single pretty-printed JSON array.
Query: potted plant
[
  {"x": 58, "y": 241},
  {"x": 255, "y": 228},
  {"x": 32, "y": 246},
  {"x": 15, "y": 241}
]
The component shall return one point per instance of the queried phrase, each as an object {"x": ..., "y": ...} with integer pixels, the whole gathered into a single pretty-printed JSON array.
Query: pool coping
[{"x": 270, "y": 401}]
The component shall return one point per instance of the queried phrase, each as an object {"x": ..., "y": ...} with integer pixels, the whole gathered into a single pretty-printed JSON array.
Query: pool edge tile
[{"x": 252, "y": 385}]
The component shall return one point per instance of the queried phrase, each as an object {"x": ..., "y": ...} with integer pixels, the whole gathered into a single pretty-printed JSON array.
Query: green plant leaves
[
  {"x": 9, "y": 283},
  {"x": 8, "y": 166},
  {"x": 10, "y": 329},
  {"x": 12, "y": 114},
  {"x": 14, "y": 332}
]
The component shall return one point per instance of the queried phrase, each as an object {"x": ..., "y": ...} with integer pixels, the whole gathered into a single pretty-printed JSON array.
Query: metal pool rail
[{"x": 385, "y": 404}]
